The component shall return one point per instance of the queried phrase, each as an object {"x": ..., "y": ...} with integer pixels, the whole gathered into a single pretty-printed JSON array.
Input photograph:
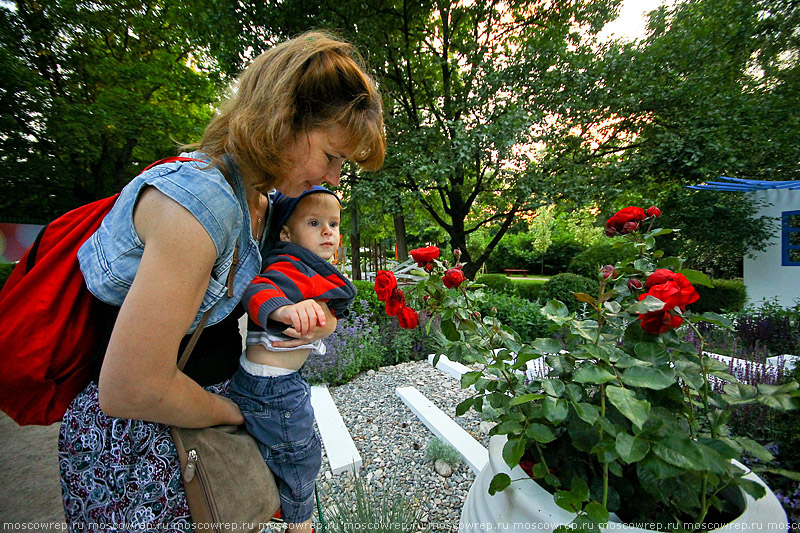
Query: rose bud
[
  {"x": 610, "y": 232},
  {"x": 634, "y": 285},
  {"x": 428, "y": 267},
  {"x": 453, "y": 278},
  {"x": 653, "y": 211},
  {"x": 630, "y": 227},
  {"x": 457, "y": 254},
  {"x": 608, "y": 271},
  {"x": 476, "y": 315}
]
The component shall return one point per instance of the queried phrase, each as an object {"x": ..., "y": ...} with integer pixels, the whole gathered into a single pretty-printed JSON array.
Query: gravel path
[{"x": 392, "y": 441}]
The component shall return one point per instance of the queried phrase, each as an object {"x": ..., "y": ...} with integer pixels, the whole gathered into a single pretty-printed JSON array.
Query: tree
[
  {"x": 93, "y": 91},
  {"x": 493, "y": 108}
]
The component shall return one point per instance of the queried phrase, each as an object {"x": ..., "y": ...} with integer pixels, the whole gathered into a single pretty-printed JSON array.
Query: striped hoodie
[{"x": 292, "y": 274}]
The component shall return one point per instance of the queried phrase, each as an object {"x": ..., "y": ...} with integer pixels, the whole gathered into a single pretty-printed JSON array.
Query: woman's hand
[
  {"x": 139, "y": 378},
  {"x": 317, "y": 333}
]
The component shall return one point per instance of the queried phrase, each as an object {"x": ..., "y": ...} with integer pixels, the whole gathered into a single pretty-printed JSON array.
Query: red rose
[
  {"x": 424, "y": 255},
  {"x": 653, "y": 211},
  {"x": 674, "y": 290},
  {"x": 659, "y": 322},
  {"x": 453, "y": 278},
  {"x": 409, "y": 319},
  {"x": 624, "y": 216},
  {"x": 396, "y": 301},
  {"x": 385, "y": 283},
  {"x": 686, "y": 293}
]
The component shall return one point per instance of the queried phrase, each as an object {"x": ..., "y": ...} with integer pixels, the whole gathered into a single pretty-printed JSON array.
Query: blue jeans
[{"x": 279, "y": 415}]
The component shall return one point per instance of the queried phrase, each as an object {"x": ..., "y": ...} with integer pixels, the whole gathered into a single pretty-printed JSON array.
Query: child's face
[{"x": 314, "y": 224}]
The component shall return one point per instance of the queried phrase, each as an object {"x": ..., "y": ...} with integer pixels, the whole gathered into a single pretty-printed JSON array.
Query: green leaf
[
  {"x": 754, "y": 448},
  {"x": 556, "y": 309},
  {"x": 499, "y": 483},
  {"x": 753, "y": 488},
  {"x": 506, "y": 427},
  {"x": 597, "y": 513},
  {"x": 540, "y": 433},
  {"x": 592, "y": 373},
  {"x": 546, "y": 345},
  {"x": 513, "y": 451},
  {"x": 648, "y": 305},
  {"x": 464, "y": 406},
  {"x": 587, "y": 412},
  {"x": 568, "y": 502},
  {"x": 696, "y": 277},
  {"x": 631, "y": 449},
  {"x": 739, "y": 393},
  {"x": 553, "y": 387},
  {"x": 632, "y": 408},
  {"x": 470, "y": 378},
  {"x": 579, "y": 489},
  {"x": 648, "y": 377},
  {"x": 795, "y": 476},
  {"x": 555, "y": 411},
  {"x": 714, "y": 318},
  {"x": 651, "y": 352},
  {"x": 525, "y": 398},
  {"x": 450, "y": 331}
]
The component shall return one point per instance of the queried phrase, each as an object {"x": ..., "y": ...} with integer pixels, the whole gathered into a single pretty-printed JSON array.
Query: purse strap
[{"x": 204, "y": 319}]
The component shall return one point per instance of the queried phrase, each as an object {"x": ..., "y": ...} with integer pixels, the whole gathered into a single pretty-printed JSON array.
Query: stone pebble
[{"x": 392, "y": 441}]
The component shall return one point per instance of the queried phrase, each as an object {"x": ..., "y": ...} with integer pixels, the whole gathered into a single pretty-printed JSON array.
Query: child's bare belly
[{"x": 292, "y": 360}]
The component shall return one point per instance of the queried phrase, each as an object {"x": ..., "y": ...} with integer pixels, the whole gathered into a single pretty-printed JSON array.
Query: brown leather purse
[{"x": 228, "y": 484}]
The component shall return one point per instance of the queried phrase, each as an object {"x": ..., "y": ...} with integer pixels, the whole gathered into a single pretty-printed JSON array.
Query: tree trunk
[
  {"x": 355, "y": 240},
  {"x": 400, "y": 236}
]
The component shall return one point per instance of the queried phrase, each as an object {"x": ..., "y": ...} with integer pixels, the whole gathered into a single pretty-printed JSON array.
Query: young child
[{"x": 273, "y": 397}]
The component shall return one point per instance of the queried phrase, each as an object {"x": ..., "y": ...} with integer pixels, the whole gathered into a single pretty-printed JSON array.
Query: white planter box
[{"x": 526, "y": 506}]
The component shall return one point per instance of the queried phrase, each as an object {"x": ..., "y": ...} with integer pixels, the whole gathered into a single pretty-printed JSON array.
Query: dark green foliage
[
  {"x": 516, "y": 251},
  {"x": 528, "y": 289},
  {"x": 727, "y": 295},
  {"x": 5, "y": 271},
  {"x": 366, "y": 291},
  {"x": 561, "y": 287},
  {"x": 588, "y": 262},
  {"x": 559, "y": 255},
  {"x": 496, "y": 282},
  {"x": 517, "y": 313}
]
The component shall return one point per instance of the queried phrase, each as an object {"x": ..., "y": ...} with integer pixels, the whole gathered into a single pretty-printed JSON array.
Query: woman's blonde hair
[{"x": 311, "y": 81}]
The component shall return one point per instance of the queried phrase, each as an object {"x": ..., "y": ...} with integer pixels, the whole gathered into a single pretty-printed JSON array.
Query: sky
[{"x": 631, "y": 22}]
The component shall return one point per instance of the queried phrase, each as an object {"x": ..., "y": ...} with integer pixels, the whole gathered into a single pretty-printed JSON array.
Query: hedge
[
  {"x": 561, "y": 286},
  {"x": 727, "y": 295},
  {"x": 524, "y": 288}
]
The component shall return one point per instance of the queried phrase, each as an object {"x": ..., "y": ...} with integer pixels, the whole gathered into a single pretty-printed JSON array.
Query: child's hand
[{"x": 303, "y": 316}]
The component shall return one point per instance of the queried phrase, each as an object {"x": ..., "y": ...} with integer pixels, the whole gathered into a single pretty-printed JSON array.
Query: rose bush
[{"x": 625, "y": 420}]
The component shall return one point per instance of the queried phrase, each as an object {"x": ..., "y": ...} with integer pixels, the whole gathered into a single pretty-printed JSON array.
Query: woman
[{"x": 164, "y": 255}]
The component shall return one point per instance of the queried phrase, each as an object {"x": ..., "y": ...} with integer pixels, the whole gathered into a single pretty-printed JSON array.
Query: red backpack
[{"x": 47, "y": 314}]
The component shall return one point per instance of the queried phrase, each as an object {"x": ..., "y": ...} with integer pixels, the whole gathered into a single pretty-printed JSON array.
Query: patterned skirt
[{"x": 119, "y": 474}]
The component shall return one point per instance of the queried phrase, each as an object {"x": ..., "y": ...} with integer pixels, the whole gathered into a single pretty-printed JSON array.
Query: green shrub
[
  {"x": 437, "y": 450},
  {"x": 527, "y": 288},
  {"x": 366, "y": 291},
  {"x": 496, "y": 282},
  {"x": 5, "y": 271},
  {"x": 561, "y": 286},
  {"x": 588, "y": 262},
  {"x": 559, "y": 255},
  {"x": 521, "y": 315},
  {"x": 727, "y": 295}
]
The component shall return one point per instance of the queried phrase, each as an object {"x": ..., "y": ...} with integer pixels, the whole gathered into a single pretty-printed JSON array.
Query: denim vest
[{"x": 110, "y": 257}]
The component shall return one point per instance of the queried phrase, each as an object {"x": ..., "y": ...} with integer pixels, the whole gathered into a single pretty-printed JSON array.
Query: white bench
[
  {"x": 342, "y": 453},
  {"x": 444, "y": 427}
]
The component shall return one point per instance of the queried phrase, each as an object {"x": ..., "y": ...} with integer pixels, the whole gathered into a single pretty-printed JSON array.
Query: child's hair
[{"x": 311, "y": 81}]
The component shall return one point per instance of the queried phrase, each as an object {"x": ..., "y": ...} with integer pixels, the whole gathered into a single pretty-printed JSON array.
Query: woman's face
[{"x": 316, "y": 157}]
